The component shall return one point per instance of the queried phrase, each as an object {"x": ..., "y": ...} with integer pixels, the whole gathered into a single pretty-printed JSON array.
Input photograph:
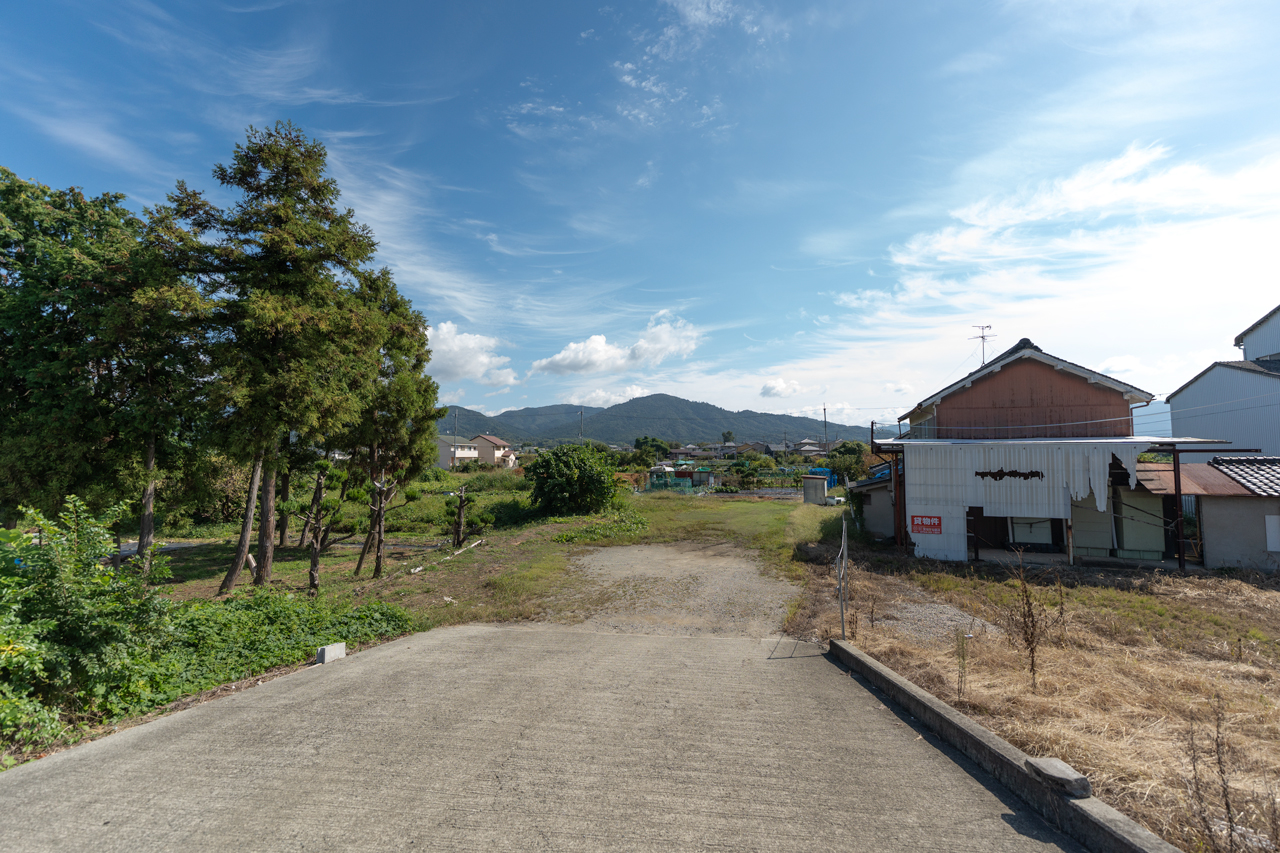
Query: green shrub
[
  {"x": 215, "y": 642},
  {"x": 94, "y": 621},
  {"x": 498, "y": 481},
  {"x": 84, "y": 640},
  {"x": 570, "y": 480}
]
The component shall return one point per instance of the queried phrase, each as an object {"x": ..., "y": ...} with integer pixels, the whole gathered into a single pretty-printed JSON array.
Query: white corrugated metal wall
[
  {"x": 942, "y": 482},
  {"x": 1263, "y": 341},
  {"x": 1232, "y": 404}
]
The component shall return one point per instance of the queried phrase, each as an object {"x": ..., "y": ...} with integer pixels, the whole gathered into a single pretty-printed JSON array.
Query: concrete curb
[{"x": 1089, "y": 821}]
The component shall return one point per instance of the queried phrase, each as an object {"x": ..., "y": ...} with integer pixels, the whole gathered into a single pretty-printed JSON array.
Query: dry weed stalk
[
  {"x": 1027, "y": 619},
  {"x": 1228, "y": 819},
  {"x": 962, "y": 662}
]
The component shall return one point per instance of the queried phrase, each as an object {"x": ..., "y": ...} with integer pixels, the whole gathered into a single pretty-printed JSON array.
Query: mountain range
[{"x": 662, "y": 416}]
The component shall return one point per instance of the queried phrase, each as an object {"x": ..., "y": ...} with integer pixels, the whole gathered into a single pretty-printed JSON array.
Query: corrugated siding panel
[
  {"x": 942, "y": 481},
  {"x": 1263, "y": 341},
  {"x": 1231, "y": 404}
]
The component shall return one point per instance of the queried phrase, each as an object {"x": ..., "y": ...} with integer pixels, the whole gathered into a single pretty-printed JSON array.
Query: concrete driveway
[{"x": 527, "y": 738}]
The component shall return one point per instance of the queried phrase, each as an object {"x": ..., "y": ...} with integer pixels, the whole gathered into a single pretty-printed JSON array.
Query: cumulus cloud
[
  {"x": 458, "y": 355},
  {"x": 664, "y": 338},
  {"x": 779, "y": 387},
  {"x": 605, "y": 398}
]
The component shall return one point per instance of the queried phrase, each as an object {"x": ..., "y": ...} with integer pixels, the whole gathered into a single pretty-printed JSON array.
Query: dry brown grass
[{"x": 1132, "y": 664}]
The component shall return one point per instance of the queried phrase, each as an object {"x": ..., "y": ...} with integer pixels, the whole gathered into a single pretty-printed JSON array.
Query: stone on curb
[
  {"x": 1057, "y": 773},
  {"x": 330, "y": 653}
]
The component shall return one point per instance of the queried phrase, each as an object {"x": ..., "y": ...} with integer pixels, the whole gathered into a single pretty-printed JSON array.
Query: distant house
[
  {"x": 877, "y": 500},
  {"x": 809, "y": 447},
  {"x": 1238, "y": 401},
  {"x": 456, "y": 451},
  {"x": 494, "y": 451}
]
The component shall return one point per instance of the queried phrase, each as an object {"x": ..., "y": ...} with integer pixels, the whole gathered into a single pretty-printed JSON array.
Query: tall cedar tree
[
  {"x": 394, "y": 439},
  {"x": 296, "y": 344},
  {"x": 99, "y": 351}
]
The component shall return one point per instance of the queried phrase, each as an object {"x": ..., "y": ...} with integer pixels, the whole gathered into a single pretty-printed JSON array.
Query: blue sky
[{"x": 757, "y": 205}]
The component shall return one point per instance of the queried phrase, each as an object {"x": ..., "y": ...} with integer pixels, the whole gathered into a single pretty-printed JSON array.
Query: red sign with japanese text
[{"x": 926, "y": 524}]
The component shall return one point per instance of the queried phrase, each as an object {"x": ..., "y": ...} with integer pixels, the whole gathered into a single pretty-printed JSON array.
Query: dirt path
[{"x": 682, "y": 589}]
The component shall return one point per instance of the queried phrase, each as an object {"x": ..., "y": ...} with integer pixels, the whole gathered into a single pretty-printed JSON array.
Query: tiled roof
[
  {"x": 492, "y": 439},
  {"x": 1258, "y": 474}
]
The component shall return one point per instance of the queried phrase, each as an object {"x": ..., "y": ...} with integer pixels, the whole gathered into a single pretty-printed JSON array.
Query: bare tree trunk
[
  {"x": 246, "y": 528},
  {"x": 284, "y": 496},
  {"x": 460, "y": 523},
  {"x": 380, "y": 550},
  {"x": 384, "y": 501},
  {"x": 115, "y": 558},
  {"x": 147, "y": 527},
  {"x": 267, "y": 523},
  {"x": 368, "y": 540},
  {"x": 314, "y": 579}
]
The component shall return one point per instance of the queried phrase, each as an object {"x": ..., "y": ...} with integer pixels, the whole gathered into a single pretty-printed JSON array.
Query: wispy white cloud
[
  {"x": 1107, "y": 266},
  {"x": 664, "y": 338}
]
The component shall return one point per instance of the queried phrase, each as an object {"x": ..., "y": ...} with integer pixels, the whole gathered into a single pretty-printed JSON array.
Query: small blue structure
[{"x": 832, "y": 481}]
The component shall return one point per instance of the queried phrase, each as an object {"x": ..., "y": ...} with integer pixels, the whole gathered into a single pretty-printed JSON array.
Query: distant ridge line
[{"x": 659, "y": 415}]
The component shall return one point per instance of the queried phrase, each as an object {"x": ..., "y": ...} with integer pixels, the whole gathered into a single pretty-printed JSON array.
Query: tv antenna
[{"x": 984, "y": 336}]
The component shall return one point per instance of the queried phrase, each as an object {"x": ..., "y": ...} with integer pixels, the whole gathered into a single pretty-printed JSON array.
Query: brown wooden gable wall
[{"x": 1016, "y": 400}]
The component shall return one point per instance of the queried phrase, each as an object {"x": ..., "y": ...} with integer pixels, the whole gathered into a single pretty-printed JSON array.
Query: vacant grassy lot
[
  {"x": 1130, "y": 663},
  {"x": 520, "y": 569}
]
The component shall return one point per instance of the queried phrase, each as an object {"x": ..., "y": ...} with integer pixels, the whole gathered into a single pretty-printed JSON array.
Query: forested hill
[
  {"x": 659, "y": 415},
  {"x": 538, "y": 419}
]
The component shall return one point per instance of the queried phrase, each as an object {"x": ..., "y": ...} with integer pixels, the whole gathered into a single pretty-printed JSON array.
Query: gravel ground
[
  {"x": 682, "y": 589},
  {"x": 910, "y": 610},
  {"x": 704, "y": 589}
]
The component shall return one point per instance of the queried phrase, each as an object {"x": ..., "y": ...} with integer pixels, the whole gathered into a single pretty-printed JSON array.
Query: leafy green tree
[
  {"x": 393, "y": 437},
  {"x": 320, "y": 514},
  {"x": 100, "y": 340},
  {"x": 727, "y": 436},
  {"x": 465, "y": 518},
  {"x": 654, "y": 446},
  {"x": 286, "y": 267},
  {"x": 848, "y": 460},
  {"x": 571, "y": 479}
]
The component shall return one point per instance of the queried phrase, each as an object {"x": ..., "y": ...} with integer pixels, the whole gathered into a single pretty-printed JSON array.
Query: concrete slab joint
[
  {"x": 331, "y": 652},
  {"x": 1057, "y": 773}
]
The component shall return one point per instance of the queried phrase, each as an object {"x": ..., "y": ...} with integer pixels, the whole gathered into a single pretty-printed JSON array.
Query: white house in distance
[
  {"x": 456, "y": 451},
  {"x": 1238, "y": 401},
  {"x": 494, "y": 451}
]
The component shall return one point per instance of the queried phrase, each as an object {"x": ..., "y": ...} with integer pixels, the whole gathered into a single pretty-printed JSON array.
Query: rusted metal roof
[{"x": 1198, "y": 478}]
